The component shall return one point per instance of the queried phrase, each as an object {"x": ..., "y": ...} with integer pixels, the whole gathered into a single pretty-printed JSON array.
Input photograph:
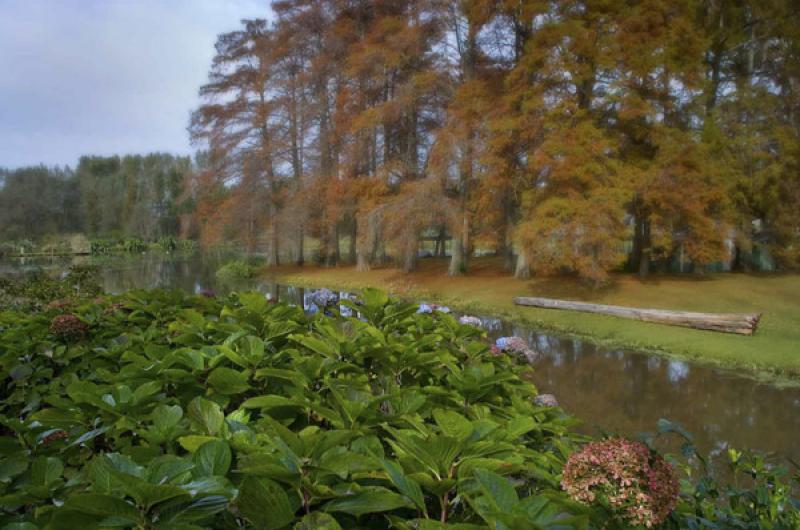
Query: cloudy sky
[{"x": 105, "y": 76}]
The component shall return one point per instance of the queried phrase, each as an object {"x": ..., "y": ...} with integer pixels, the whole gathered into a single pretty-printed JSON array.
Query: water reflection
[{"x": 621, "y": 391}]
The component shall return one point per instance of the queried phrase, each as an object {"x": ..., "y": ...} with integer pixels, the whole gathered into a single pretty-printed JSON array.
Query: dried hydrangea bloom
[
  {"x": 637, "y": 484},
  {"x": 61, "y": 304},
  {"x": 470, "y": 321},
  {"x": 112, "y": 308},
  {"x": 68, "y": 328}
]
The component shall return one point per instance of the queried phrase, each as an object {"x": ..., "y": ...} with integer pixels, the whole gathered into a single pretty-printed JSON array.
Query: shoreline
[{"x": 708, "y": 348}]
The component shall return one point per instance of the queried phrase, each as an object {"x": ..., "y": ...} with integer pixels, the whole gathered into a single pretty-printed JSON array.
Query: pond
[{"x": 613, "y": 390}]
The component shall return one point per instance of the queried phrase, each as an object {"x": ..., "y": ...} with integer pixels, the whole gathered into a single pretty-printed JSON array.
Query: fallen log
[{"x": 741, "y": 323}]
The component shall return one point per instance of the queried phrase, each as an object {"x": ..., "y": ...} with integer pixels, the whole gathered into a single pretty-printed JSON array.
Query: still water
[{"x": 613, "y": 390}]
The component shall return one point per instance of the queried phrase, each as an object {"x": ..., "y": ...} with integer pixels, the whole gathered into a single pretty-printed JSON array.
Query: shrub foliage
[{"x": 171, "y": 411}]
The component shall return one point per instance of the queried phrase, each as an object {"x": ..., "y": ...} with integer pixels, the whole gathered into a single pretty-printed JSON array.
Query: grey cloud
[{"x": 104, "y": 76}]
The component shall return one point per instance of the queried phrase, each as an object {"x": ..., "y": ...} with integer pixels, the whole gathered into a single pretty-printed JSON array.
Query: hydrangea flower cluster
[
  {"x": 470, "y": 321},
  {"x": 430, "y": 308},
  {"x": 68, "y": 328},
  {"x": 61, "y": 304},
  {"x": 545, "y": 400},
  {"x": 516, "y": 345},
  {"x": 638, "y": 485},
  {"x": 323, "y": 298}
]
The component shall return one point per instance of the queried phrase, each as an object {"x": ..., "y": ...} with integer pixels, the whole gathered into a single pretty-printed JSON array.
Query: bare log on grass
[{"x": 740, "y": 323}]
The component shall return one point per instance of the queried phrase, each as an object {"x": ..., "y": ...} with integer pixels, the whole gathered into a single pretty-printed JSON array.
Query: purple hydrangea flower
[
  {"x": 323, "y": 297},
  {"x": 518, "y": 346}
]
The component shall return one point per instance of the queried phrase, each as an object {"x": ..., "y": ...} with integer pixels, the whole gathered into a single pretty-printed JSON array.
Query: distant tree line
[
  {"x": 129, "y": 196},
  {"x": 571, "y": 136}
]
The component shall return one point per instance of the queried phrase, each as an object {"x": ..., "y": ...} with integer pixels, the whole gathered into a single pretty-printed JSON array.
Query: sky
[{"x": 105, "y": 77}]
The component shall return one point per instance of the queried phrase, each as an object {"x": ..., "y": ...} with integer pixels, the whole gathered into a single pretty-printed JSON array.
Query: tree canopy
[
  {"x": 131, "y": 196},
  {"x": 577, "y": 136}
]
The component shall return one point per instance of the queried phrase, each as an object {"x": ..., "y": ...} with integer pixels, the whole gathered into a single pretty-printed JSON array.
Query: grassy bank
[{"x": 773, "y": 353}]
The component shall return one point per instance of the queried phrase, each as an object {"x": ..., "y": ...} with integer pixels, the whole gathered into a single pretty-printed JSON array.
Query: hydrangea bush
[{"x": 636, "y": 484}]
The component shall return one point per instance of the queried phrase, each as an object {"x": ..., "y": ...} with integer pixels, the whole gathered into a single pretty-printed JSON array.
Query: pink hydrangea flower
[{"x": 637, "y": 484}]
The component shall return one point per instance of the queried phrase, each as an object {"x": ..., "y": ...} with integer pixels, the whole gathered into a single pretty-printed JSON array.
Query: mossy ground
[{"x": 772, "y": 353}]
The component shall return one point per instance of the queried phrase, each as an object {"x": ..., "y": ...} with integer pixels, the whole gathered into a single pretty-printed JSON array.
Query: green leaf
[
  {"x": 212, "y": 458},
  {"x": 369, "y": 500},
  {"x": 499, "y": 490},
  {"x": 197, "y": 510},
  {"x": 207, "y": 413},
  {"x": 405, "y": 484},
  {"x": 46, "y": 470},
  {"x": 318, "y": 521},
  {"x": 58, "y": 418},
  {"x": 269, "y": 402},
  {"x": 264, "y": 503},
  {"x": 227, "y": 381},
  {"x": 165, "y": 417},
  {"x": 374, "y": 298},
  {"x": 103, "y": 505},
  {"x": 255, "y": 302},
  {"x": 147, "y": 494},
  {"x": 146, "y": 390},
  {"x": 453, "y": 424},
  {"x": 315, "y": 344},
  {"x": 20, "y": 526},
  {"x": 253, "y": 349},
  {"x": 193, "y": 442}
]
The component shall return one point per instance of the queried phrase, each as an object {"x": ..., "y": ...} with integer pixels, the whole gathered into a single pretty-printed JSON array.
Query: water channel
[{"x": 615, "y": 390}]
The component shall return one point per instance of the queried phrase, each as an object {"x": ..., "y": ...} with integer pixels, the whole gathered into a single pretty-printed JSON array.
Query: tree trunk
[
  {"x": 332, "y": 257},
  {"x": 644, "y": 248},
  {"x": 456, "y": 267},
  {"x": 410, "y": 256},
  {"x": 459, "y": 256},
  {"x": 352, "y": 251},
  {"x": 522, "y": 270},
  {"x": 362, "y": 262},
  {"x": 741, "y": 323},
  {"x": 273, "y": 259},
  {"x": 301, "y": 247},
  {"x": 441, "y": 243}
]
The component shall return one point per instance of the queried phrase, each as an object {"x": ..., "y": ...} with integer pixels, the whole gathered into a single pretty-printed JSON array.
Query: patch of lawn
[{"x": 773, "y": 352}]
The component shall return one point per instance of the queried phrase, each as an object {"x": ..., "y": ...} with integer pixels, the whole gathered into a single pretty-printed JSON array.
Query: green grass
[{"x": 773, "y": 353}]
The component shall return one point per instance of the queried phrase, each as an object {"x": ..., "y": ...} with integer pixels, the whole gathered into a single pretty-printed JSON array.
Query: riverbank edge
[{"x": 772, "y": 376}]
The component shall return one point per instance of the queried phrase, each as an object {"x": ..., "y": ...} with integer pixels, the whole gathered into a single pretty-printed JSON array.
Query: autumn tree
[
  {"x": 237, "y": 122},
  {"x": 556, "y": 134}
]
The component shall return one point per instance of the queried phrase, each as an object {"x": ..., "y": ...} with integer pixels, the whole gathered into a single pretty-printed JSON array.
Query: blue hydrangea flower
[
  {"x": 424, "y": 308},
  {"x": 323, "y": 297},
  {"x": 502, "y": 342},
  {"x": 468, "y": 320}
]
